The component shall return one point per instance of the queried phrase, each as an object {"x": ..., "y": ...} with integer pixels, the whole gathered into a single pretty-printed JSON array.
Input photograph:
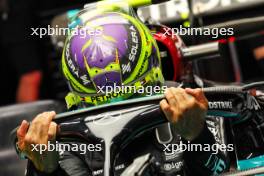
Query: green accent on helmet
[
  {"x": 72, "y": 100},
  {"x": 95, "y": 71},
  {"x": 76, "y": 85},
  {"x": 151, "y": 79},
  {"x": 145, "y": 48},
  {"x": 133, "y": 3},
  {"x": 138, "y": 3},
  {"x": 86, "y": 45},
  {"x": 154, "y": 42},
  {"x": 141, "y": 75}
]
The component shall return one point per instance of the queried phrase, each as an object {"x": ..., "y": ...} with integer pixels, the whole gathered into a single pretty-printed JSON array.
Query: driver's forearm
[{"x": 32, "y": 171}]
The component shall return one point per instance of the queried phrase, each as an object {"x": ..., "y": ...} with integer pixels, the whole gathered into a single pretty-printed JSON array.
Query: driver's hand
[
  {"x": 186, "y": 109},
  {"x": 40, "y": 131}
]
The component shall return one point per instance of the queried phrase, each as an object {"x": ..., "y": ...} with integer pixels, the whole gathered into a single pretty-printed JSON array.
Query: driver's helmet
[{"x": 109, "y": 49}]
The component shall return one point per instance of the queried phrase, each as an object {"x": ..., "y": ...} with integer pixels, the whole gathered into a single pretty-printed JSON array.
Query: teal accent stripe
[
  {"x": 72, "y": 13},
  {"x": 74, "y": 23},
  {"x": 251, "y": 163},
  {"x": 222, "y": 114}
]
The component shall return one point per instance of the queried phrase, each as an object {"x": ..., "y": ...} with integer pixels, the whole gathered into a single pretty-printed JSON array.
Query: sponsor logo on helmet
[
  {"x": 126, "y": 67},
  {"x": 135, "y": 41},
  {"x": 104, "y": 98},
  {"x": 83, "y": 78},
  {"x": 71, "y": 66}
]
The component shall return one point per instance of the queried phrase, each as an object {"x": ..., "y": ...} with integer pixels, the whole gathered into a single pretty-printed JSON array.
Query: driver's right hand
[{"x": 37, "y": 133}]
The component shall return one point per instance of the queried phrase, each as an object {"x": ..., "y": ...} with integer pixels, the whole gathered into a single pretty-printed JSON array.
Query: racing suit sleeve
[
  {"x": 208, "y": 161},
  {"x": 32, "y": 171},
  {"x": 70, "y": 164}
]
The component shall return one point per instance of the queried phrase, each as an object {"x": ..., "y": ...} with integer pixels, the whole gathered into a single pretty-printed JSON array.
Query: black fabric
[
  {"x": 8, "y": 80},
  {"x": 171, "y": 164},
  {"x": 195, "y": 161},
  {"x": 32, "y": 171},
  {"x": 261, "y": 65},
  {"x": 92, "y": 163},
  {"x": 256, "y": 41}
]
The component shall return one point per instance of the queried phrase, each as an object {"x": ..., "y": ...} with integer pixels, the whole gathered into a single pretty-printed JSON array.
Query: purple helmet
[{"x": 110, "y": 49}]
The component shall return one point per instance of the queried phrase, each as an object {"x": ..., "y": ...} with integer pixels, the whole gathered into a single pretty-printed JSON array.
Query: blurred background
[{"x": 30, "y": 66}]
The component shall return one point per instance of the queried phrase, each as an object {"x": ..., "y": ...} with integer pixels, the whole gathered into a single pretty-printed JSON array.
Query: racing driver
[{"x": 116, "y": 49}]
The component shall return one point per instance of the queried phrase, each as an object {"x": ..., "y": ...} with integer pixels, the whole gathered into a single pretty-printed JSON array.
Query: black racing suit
[{"x": 172, "y": 162}]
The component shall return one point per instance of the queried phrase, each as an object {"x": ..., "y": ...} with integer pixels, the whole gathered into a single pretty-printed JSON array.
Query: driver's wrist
[
  {"x": 20, "y": 153},
  {"x": 47, "y": 162},
  {"x": 204, "y": 137},
  {"x": 197, "y": 133},
  {"x": 190, "y": 134},
  {"x": 46, "y": 172}
]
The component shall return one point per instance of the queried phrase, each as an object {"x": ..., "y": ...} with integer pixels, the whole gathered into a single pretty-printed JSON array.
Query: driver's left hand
[{"x": 186, "y": 109}]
